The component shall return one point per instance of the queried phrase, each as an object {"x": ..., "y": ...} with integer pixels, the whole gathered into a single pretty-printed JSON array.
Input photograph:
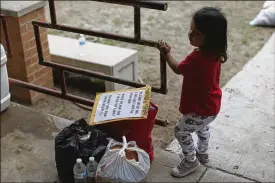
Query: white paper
[{"x": 119, "y": 105}]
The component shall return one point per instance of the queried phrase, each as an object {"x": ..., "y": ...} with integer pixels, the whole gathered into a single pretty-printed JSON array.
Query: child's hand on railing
[{"x": 163, "y": 47}]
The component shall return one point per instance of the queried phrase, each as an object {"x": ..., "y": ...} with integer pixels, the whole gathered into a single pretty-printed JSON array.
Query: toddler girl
[{"x": 201, "y": 94}]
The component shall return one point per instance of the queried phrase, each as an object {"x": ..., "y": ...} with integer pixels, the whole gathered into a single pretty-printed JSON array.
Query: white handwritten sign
[{"x": 113, "y": 106}]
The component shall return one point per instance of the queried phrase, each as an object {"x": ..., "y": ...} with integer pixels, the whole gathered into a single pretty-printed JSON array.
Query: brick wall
[{"x": 23, "y": 64}]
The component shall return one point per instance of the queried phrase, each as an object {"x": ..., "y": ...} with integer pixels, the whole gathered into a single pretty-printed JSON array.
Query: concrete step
[{"x": 27, "y": 144}]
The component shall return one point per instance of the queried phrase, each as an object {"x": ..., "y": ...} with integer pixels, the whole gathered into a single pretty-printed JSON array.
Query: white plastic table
[{"x": 111, "y": 60}]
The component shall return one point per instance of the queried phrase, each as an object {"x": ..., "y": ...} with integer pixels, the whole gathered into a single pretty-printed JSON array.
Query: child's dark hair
[{"x": 212, "y": 23}]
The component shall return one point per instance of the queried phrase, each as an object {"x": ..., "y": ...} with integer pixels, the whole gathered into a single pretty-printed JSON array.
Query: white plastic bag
[
  {"x": 268, "y": 4},
  {"x": 266, "y": 17},
  {"x": 123, "y": 162}
]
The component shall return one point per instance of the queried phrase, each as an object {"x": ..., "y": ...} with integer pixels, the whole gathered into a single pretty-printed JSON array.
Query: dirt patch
[{"x": 244, "y": 42}]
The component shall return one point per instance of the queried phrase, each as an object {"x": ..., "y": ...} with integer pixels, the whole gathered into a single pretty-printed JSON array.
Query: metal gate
[{"x": 137, "y": 4}]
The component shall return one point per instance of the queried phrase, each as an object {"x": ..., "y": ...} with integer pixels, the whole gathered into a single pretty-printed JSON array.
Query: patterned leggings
[{"x": 189, "y": 124}]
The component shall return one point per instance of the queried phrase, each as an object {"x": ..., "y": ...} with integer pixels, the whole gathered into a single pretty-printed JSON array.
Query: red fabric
[
  {"x": 140, "y": 131},
  {"x": 201, "y": 93},
  {"x": 135, "y": 130}
]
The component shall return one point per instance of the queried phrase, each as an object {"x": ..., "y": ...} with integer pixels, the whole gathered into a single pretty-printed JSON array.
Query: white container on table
[{"x": 5, "y": 93}]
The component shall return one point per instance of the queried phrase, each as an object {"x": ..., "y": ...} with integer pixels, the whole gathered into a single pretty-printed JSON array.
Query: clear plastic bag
[{"x": 123, "y": 162}]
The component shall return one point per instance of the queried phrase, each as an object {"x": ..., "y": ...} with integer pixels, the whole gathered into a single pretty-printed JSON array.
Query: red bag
[
  {"x": 140, "y": 131},
  {"x": 135, "y": 130}
]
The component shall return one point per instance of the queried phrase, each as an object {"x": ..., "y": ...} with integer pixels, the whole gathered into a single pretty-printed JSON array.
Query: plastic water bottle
[
  {"x": 91, "y": 169},
  {"x": 82, "y": 43},
  {"x": 80, "y": 172}
]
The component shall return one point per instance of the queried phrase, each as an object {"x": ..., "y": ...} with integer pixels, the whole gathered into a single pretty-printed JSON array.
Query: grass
[
  {"x": 117, "y": 22},
  {"x": 109, "y": 42}
]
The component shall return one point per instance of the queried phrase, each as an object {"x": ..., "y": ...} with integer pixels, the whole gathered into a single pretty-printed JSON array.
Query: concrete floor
[
  {"x": 242, "y": 144},
  {"x": 27, "y": 145}
]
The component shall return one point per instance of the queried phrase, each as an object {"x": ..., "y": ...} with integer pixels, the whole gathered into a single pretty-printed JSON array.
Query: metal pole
[
  {"x": 5, "y": 29},
  {"x": 163, "y": 74},
  {"x": 96, "y": 33},
  {"x": 137, "y": 23},
  {"x": 68, "y": 97},
  {"x": 157, "y": 5},
  {"x": 52, "y": 12},
  {"x": 63, "y": 82}
]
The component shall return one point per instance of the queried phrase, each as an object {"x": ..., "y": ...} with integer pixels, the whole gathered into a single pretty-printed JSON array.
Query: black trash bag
[{"x": 79, "y": 140}]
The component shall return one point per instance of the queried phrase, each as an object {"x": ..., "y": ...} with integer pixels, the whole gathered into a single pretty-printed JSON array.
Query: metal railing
[
  {"x": 5, "y": 29},
  {"x": 61, "y": 67}
]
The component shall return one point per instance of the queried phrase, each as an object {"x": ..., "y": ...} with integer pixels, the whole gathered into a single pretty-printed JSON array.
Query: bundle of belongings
[
  {"x": 126, "y": 115},
  {"x": 123, "y": 162},
  {"x": 266, "y": 16}
]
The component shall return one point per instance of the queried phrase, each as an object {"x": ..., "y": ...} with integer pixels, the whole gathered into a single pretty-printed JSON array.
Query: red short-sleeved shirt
[{"x": 201, "y": 93}]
